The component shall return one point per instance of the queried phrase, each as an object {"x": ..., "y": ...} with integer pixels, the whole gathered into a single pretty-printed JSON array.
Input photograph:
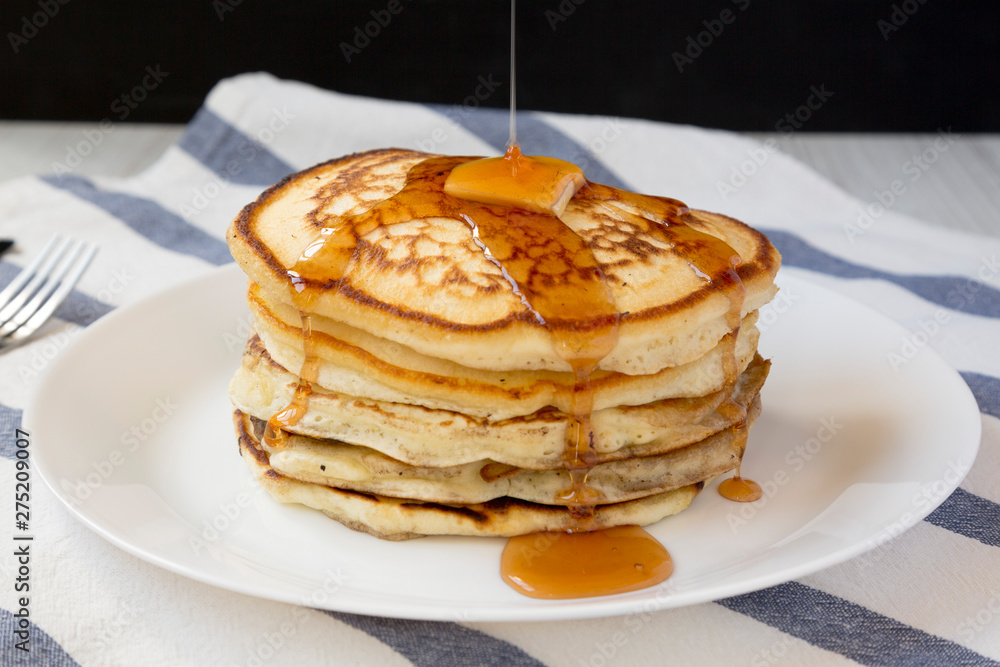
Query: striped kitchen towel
[{"x": 932, "y": 599}]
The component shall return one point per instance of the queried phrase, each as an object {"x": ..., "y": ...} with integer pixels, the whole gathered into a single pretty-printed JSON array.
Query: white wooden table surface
[{"x": 958, "y": 188}]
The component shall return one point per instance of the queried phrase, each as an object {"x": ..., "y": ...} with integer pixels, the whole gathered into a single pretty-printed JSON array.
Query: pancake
[
  {"x": 344, "y": 466},
  {"x": 426, "y": 283},
  {"x": 440, "y": 384},
  {"x": 399, "y": 519},
  {"x": 426, "y": 437}
]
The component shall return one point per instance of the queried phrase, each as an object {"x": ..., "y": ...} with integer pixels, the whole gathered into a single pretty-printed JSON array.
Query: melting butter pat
[{"x": 533, "y": 183}]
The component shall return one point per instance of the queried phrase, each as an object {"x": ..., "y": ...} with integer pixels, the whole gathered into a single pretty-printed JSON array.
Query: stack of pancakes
[{"x": 428, "y": 400}]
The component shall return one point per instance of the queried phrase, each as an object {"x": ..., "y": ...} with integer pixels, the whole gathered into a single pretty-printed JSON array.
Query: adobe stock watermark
[
  {"x": 965, "y": 294},
  {"x": 236, "y": 341},
  {"x": 562, "y": 12},
  {"x": 49, "y": 347},
  {"x": 44, "y": 352},
  {"x": 698, "y": 43},
  {"x": 455, "y": 115},
  {"x": 202, "y": 196},
  {"x": 79, "y": 490},
  {"x": 229, "y": 512},
  {"x": 772, "y": 311},
  {"x": 113, "y": 629},
  {"x": 913, "y": 169},
  {"x": 911, "y": 345},
  {"x": 773, "y": 654},
  {"x": 122, "y": 107},
  {"x": 223, "y": 7},
  {"x": 363, "y": 35},
  {"x": 30, "y": 25},
  {"x": 606, "y": 649},
  {"x": 796, "y": 460},
  {"x": 270, "y": 642},
  {"x": 757, "y": 156},
  {"x": 981, "y": 620},
  {"x": 930, "y": 495},
  {"x": 598, "y": 144},
  {"x": 898, "y": 17}
]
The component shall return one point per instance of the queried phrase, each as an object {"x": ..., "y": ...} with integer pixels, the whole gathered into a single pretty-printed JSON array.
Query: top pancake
[{"x": 427, "y": 284}]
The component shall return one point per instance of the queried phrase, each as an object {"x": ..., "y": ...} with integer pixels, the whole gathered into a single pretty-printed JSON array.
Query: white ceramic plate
[{"x": 132, "y": 430}]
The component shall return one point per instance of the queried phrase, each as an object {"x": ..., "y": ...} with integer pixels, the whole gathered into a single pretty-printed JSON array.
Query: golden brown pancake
[
  {"x": 426, "y": 437},
  {"x": 426, "y": 284},
  {"x": 400, "y": 519},
  {"x": 344, "y": 466},
  {"x": 442, "y": 384}
]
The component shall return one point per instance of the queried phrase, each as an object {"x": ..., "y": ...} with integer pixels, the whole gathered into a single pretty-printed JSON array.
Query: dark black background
[{"x": 940, "y": 68}]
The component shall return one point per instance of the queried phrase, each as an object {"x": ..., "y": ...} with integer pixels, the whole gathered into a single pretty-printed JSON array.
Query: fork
[{"x": 35, "y": 293}]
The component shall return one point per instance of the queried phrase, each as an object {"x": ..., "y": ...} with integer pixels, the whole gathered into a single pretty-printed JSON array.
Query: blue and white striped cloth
[{"x": 934, "y": 598}]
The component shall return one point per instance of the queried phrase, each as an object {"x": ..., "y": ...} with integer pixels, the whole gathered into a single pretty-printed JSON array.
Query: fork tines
[{"x": 40, "y": 287}]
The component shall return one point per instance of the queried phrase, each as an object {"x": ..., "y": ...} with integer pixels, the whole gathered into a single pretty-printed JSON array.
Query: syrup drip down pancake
[{"x": 427, "y": 363}]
